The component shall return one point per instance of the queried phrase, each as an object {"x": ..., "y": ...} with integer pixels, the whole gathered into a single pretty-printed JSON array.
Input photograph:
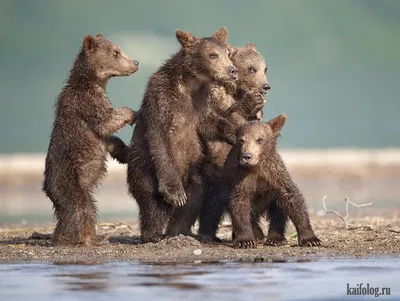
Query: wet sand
[{"x": 369, "y": 237}]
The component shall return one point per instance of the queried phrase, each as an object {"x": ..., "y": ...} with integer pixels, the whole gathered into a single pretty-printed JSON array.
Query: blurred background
[{"x": 333, "y": 66}]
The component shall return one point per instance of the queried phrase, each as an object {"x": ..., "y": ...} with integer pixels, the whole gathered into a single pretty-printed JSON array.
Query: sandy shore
[
  {"x": 363, "y": 176},
  {"x": 371, "y": 237}
]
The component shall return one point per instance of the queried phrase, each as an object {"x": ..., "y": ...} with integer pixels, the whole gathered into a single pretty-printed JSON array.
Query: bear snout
[
  {"x": 233, "y": 72},
  {"x": 246, "y": 158},
  {"x": 265, "y": 88},
  {"x": 134, "y": 65}
]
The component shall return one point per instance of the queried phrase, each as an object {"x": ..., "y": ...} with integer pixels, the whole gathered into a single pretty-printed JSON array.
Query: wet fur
[
  {"x": 237, "y": 103},
  {"x": 165, "y": 153},
  {"x": 84, "y": 123},
  {"x": 263, "y": 188}
]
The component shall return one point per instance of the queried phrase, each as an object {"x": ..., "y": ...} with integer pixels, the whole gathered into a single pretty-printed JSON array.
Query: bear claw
[
  {"x": 310, "y": 242},
  {"x": 245, "y": 244},
  {"x": 176, "y": 197},
  {"x": 275, "y": 242}
]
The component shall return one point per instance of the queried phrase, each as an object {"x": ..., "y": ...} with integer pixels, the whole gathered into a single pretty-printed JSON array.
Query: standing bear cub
[
  {"x": 257, "y": 182},
  {"x": 238, "y": 103},
  {"x": 165, "y": 155},
  {"x": 82, "y": 135}
]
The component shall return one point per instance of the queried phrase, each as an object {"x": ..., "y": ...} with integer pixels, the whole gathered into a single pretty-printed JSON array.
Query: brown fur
[
  {"x": 238, "y": 103},
  {"x": 117, "y": 149},
  {"x": 165, "y": 152},
  {"x": 256, "y": 182},
  {"x": 82, "y": 129}
]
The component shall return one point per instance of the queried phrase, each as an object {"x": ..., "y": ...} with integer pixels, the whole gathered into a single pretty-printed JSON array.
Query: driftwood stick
[{"x": 344, "y": 218}]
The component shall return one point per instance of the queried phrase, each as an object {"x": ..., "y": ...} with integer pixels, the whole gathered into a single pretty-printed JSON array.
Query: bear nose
[
  {"x": 136, "y": 63},
  {"x": 266, "y": 88},
  {"x": 247, "y": 157},
  {"x": 233, "y": 71}
]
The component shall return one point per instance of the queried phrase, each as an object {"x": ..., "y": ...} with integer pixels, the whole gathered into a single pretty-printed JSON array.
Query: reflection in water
[
  {"x": 170, "y": 279},
  {"x": 170, "y": 275},
  {"x": 74, "y": 263},
  {"x": 177, "y": 285},
  {"x": 228, "y": 281},
  {"x": 94, "y": 281}
]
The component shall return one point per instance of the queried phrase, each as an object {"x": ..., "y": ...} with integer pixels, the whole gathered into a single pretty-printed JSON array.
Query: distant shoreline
[
  {"x": 362, "y": 175},
  {"x": 33, "y": 163}
]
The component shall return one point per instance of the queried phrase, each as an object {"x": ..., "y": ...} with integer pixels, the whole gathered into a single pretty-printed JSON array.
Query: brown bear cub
[
  {"x": 256, "y": 183},
  {"x": 239, "y": 103},
  {"x": 82, "y": 134},
  {"x": 164, "y": 158}
]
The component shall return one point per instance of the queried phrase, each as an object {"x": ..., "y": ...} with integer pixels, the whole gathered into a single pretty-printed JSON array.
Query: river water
[{"x": 315, "y": 280}]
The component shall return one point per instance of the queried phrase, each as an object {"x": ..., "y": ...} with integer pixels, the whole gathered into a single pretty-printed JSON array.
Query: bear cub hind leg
[{"x": 277, "y": 225}]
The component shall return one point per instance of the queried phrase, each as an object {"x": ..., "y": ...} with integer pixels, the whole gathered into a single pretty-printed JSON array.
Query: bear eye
[
  {"x": 116, "y": 53},
  {"x": 252, "y": 70},
  {"x": 265, "y": 71},
  {"x": 213, "y": 55},
  {"x": 241, "y": 140},
  {"x": 259, "y": 141}
]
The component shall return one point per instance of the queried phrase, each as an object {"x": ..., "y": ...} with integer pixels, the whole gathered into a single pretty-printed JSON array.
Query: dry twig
[
  {"x": 344, "y": 218},
  {"x": 112, "y": 227}
]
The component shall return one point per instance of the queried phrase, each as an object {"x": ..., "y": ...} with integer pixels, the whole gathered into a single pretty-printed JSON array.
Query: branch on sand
[
  {"x": 108, "y": 228},
  {"x": 344, "y": 218},
  {"x": 112, "y": 227}
]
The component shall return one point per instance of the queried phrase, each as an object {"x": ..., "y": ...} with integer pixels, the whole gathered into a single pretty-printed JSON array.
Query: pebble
[{"x": 197, "y": 252}]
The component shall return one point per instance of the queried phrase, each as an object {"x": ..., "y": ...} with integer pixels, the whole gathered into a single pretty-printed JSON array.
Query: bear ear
[
  {"x": 99, "y": 36},
  {"x": 229, "y": 47},
  {"x": 186, "y": 39},
  {"x": 277, "y": 123},
  {"x": 221, "y": 35},
  {"x": 89, "y": 44},
  {"x": 233, "y": 51},
  {"x": 251, "y": 46}
]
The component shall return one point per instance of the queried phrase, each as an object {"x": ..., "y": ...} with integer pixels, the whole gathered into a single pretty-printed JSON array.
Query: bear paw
[
  {"x": 129, "y": 115},
  {"x": 99, "y": 240},
  {"x": 309, "y": 242},
  {"x": 275, "y": 242},
  {"x": 254, "y": 102},
  {"x": 154, "y": 238},
  {"x": 245, "y": 244},
  {"x": 173, "y": 194},
  {"x": 275, "y": 239},
  {"x": 207, "y": 239}
]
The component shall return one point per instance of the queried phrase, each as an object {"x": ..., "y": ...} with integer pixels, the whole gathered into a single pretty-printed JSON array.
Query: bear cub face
[
  {"x": 257, "y": 140},
  {"x": 252, "y": 69},
  {"x": 107, "y": 59},
  {"x": 209, "y": 56}
]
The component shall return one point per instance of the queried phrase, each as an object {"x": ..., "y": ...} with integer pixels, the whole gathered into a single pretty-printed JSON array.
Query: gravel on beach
[{"x": 368, "y": 237}]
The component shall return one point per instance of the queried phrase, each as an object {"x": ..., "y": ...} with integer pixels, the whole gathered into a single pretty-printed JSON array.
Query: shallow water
[{"x": 317, "y": 280}]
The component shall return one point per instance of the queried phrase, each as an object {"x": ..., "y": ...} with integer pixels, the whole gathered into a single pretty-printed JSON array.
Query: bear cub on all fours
[
  {"x": 81, "y": 138},
  {"x": 256, "y": 182}
]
